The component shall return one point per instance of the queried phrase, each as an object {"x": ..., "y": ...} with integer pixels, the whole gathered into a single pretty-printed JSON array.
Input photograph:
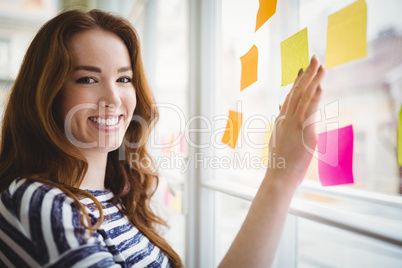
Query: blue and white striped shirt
[{"x": 40, "y": 226}]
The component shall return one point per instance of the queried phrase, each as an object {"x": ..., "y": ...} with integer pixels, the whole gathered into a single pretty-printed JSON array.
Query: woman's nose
[{"x": 110, "y": 97}]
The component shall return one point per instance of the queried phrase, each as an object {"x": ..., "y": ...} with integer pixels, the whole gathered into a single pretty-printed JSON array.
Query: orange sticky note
[
  {"x": 346, "y": 34},
  {"x": 249, "y": 66},
  {"x": 294, "y": 55},
  {"x": 232, "y": 128},
  {"x": 265, "y": 11}
]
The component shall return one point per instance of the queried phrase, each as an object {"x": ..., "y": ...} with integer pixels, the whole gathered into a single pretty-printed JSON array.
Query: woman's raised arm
[{"x": 255, "y": 244}]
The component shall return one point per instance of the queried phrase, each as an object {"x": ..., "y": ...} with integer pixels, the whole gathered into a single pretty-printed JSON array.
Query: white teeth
[{"x": 105, "y": 122}]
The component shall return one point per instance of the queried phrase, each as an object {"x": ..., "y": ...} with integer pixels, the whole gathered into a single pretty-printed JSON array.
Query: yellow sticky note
[
  {"x": 266, "y": 9},
  {"x": 178, "y": 202},
  {"x": 400, "y": 138},
  {"x": 265, "y": 150},
  {"x": 346, "y": 34},
  {"x": 232, "y": 128},
  {"x": 249, "y": 66},
  {"x": 294, "y": 55}
]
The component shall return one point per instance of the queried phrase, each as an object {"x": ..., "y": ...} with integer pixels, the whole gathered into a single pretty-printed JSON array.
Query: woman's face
[{"x": 99, "y": 99}]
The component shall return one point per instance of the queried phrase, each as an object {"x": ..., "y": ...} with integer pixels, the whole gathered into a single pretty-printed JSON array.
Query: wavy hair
[{"x": 33, "y": 143}]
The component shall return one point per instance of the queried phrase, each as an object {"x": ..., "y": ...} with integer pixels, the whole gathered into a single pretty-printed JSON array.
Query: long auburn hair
[{"x": 33, "y": 143}]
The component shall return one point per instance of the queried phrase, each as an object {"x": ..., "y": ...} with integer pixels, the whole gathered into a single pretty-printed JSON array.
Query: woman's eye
[
  {"x": 124, "y": 80},
  {"x": 86, "y": 80}
]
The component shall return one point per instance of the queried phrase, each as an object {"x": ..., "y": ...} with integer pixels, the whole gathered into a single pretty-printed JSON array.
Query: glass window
[
  {"x": 259, "y": 102},
  {"x": 230, "y": 213},
  {"x": 365, "y": 93},
  {"x": 167, "y": 70},
  {"x": 324, "y": 246}
]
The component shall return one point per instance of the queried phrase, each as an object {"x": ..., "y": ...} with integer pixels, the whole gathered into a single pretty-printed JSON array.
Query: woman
[{"x": 69, "y": 195}]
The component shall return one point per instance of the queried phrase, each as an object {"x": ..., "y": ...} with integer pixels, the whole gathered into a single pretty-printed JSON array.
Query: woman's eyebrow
[
  {"x": 124, "y": 69},
  {"x": 98, "y": 70},
  {"x": 88, "y": 68}
]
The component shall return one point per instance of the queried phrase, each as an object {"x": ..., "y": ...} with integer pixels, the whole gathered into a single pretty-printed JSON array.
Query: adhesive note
[
  {"x": 346, "y": 34},
  {"x": 178, "y": 202},
  {"x": 232, "y": 129},
  {"x": 249, "y": 66},
  {"x": 167, "y": 197},
  {"x": 182, "y": 142},
  {"x": 266, "y": 9},
  {"x": 169, "y": 149},
  {"x": 265, "y": 150},
  {"x": 294, "y": 55},
  {"x": 400, "y": 139},
  {"x": 335, "y": 156}
]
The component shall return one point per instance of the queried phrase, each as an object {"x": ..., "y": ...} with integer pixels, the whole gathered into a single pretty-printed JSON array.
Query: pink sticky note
[
  {"x": 167, "y": 196},
  {"x": 335, "y": 156},
  {"x": 182, "y": 142}
]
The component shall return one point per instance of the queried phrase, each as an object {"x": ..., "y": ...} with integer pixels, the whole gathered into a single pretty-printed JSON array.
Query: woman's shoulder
[
  {"x": 25, "y": 191},
  {"x": 26, "y": 197},
  {"x": 39, "y": 225}
]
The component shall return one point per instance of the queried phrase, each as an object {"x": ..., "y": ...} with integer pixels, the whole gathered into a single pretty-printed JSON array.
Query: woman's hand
[
  {"x": 256, "y": 242},
  {"x": 290, "y": 139}
]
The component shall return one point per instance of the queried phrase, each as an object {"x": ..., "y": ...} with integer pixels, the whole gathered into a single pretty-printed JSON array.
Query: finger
[
  {"x": 313, "y": 104},
  {"x": 303, "y": 82},
  {"x": 282, "y": 111},
  {"x": 308, "y": 93},
  {"x": 283, "y": 108},
  {"x": 298, "y": 75}
]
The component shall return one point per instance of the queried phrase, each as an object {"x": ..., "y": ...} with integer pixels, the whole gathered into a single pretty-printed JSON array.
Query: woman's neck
[{"x": 95, "y": 177}]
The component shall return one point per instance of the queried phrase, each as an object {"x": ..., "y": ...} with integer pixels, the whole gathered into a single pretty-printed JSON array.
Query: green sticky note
[
  {"x": 294, "y": 55},
  {"x": 400, "y": 138},
  {"x": 346, "y": 34}
]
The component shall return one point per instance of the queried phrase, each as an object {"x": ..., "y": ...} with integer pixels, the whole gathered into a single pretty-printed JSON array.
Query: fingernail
[
  {"x": 300, "y": 72},
  {"x": 319, "y": 69},
  {"x": 313, "y": 58}
]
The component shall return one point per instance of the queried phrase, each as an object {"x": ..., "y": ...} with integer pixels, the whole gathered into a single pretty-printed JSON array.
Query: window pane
[
  {"x": 365, "y": 93},
  {"x": 168, "y": 76},
  {"x": 259, "y": 102},
  {"x": 324, "y": 246},
  {"x": 230, "y": 213}
]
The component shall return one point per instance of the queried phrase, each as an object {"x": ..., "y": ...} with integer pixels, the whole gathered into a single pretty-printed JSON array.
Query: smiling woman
[{"x": 67, "y": 197}]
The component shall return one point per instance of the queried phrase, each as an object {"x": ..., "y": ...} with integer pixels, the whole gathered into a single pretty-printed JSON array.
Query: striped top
[{"x": 40, "y": 226}]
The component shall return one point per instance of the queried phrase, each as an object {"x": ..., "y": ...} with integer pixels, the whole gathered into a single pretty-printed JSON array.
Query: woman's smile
[{"x": 107, "y": 124}]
